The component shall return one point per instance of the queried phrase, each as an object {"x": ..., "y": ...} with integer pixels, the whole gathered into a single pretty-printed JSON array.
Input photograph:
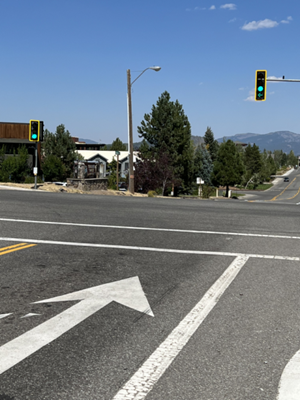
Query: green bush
[
  {"x": 152, "y": 193},
  {"x": 15, "y": 168},
  {"x": 54, "y": 169},
  {"x": 30, "y": 179},
  {"x": 208, "y": 191}
]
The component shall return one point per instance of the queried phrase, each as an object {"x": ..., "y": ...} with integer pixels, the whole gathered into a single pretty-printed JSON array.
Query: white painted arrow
[
  {"x": 289, "y": 386},
  {"x": 128, "y": 292}
]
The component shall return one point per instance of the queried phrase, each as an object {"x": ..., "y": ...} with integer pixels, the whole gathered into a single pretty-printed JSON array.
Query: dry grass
[{"x": 51, "y": 187}]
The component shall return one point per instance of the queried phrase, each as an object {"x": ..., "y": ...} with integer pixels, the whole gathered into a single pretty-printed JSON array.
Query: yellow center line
[
  {"x": 283, "y": 190},
  {"x": 12, "y": 246},
  {"x": 15, "y": 247},
  {"x": 295, "y": 195}
]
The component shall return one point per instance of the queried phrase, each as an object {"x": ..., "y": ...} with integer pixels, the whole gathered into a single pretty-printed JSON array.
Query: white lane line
[
  {"x": 142, "y": 382},
  {"x": 153, "y": 249},
  {"x": 151, "y": 229},
  {"x": 4, "y": 315}
]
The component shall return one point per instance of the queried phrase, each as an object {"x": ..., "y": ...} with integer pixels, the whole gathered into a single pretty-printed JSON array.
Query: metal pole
[
  {"x": 117, "y": 171},
  {"x": 35, "y": 162},
  {"x": 131, "y": 173},
  {"x": 282, "y": 80}
]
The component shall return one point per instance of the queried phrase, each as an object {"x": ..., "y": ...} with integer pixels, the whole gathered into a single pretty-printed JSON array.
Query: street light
[{"x": 130, "y": 138}]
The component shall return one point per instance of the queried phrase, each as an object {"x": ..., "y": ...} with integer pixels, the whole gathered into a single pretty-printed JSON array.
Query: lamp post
[{"x": 130, "y": 136}]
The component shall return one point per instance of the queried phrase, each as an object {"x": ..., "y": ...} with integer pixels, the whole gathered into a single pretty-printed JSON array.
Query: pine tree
[
  {"x": 61, "y": 146},
  {"x": 211, "y": 144},
  {"x": 168, "y": 130},
  {"x": 118, "y": 145},
  {"x": 229, "y": 167},
  {"x": 252, "y": 160},
  {"x": 203, "y": 164}
]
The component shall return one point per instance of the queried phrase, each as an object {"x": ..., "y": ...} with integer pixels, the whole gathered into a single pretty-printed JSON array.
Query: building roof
[{"x": 108, "y": 154}]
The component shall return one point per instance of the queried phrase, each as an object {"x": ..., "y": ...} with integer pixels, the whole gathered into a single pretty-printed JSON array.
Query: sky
[{"x": 66, "y": 61}]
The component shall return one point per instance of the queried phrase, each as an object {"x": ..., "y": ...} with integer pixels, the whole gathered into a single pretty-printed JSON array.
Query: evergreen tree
[
  {"x": 229, "y": 167},
  {"x": 203, "y": 164},
  {"x": 252, "y": 160},
  {"x": 60, "y": 145},
  {"x": 292, "y": 159},
  {"x": 211, "y": 144},
  {"x": 145, "y": 149},
  {"x": 168, "y": 130},
  {"x": 118, "y": 145}
]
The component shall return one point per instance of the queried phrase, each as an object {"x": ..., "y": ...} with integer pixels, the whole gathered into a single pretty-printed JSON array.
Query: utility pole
[{"x": 130, "y": 137}]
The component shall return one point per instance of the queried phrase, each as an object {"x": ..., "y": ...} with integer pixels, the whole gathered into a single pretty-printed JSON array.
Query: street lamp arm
[
  {"x": 139, "y": 76},
  {"x": 154, "y": 69}
]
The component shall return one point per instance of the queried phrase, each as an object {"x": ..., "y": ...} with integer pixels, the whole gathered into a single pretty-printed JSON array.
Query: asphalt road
[
  {"x": 190, "y": 299},
  {"x": 281, "y": 192}
]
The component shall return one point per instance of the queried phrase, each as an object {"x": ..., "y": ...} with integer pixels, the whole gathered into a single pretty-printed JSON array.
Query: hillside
[{"x": 280, "y": 140}]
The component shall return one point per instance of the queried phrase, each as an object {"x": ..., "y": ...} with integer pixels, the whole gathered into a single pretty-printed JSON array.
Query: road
[
  {"x": 142, "y": 298},
  {"x": 281, "y": 192}
]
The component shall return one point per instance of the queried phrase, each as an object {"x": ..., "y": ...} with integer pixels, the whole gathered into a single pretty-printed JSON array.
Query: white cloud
[
  {"x": 232, "y": 20},
  {"x": 241, "y": 88},
  {"x": 212, "y": 8},
  {"x": 230, "y": 6},
  {"x": 287, "y": 21},
  {"x": 251, "y": 96},
  {"x": 200, "y": 8},
  {"x": 254, "y": 25}
]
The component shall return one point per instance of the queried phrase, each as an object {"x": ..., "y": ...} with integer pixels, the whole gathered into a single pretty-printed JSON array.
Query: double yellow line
[
  {"x": 275, "y": 198},
  {"x": 15, "y": 247}
]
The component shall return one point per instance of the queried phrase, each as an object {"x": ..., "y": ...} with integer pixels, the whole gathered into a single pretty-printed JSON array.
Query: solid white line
[
  {"x": 289, "y": 386},
  {"x": 153, "y": 249},
  {"x": 153, "y": 368},
  {"x": 151, "y": 229},
  {"x": 4, "y": 315}
]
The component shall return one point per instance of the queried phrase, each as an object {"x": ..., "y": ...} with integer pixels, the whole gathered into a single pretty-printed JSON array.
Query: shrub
[
  {"x": 53, "y": 169},
  {"x": 152, "y": 193}
]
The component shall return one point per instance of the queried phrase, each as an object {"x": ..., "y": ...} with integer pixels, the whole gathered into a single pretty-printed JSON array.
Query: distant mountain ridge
[{"x": 280, "y": 140}]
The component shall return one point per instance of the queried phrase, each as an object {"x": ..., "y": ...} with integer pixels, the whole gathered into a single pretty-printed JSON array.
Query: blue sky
[{"x": 65, "y": 61}]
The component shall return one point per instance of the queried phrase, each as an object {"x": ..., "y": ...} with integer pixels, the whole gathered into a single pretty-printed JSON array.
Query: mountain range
[{"x": 280, "y": 140}]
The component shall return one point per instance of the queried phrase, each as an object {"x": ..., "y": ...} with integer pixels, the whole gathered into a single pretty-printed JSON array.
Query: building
[
  {"x": 16, "y": 134},
  {"x": 81, "y": 145},
  {"x": 104, "y": 157}
]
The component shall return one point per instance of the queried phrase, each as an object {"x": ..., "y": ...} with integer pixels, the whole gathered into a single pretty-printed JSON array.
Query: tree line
[{"x": 170, "y": 162}]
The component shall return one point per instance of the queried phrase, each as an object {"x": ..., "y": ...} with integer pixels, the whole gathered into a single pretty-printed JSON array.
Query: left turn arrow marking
[{"x": 127, "y": 292}]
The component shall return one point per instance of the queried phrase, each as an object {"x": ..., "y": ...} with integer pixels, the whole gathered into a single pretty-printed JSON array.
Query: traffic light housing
[
  {"x": 34, "y": 130},
  {"x": 260, "y": 85}
]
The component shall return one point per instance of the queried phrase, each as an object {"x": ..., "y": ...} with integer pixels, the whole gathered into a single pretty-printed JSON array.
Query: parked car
[
  {"x": 123, "y": 186},
  {"x": 286, "y": 179}
]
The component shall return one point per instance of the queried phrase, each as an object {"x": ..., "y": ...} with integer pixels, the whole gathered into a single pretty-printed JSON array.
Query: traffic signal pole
[
  {"x": 282, "y": 80},
  {"x": 36, "y": 165}
]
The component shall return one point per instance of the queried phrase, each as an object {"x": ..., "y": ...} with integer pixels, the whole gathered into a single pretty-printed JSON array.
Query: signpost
[{"x": 200, "y": 182}]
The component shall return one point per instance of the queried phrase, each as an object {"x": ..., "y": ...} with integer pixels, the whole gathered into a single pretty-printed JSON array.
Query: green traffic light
[{"x": 260, "y": 88}]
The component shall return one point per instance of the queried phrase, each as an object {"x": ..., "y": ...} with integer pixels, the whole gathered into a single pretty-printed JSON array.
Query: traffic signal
[
  {"x": 260, "y": 85},
  {"x": 34, "y": 130}
]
